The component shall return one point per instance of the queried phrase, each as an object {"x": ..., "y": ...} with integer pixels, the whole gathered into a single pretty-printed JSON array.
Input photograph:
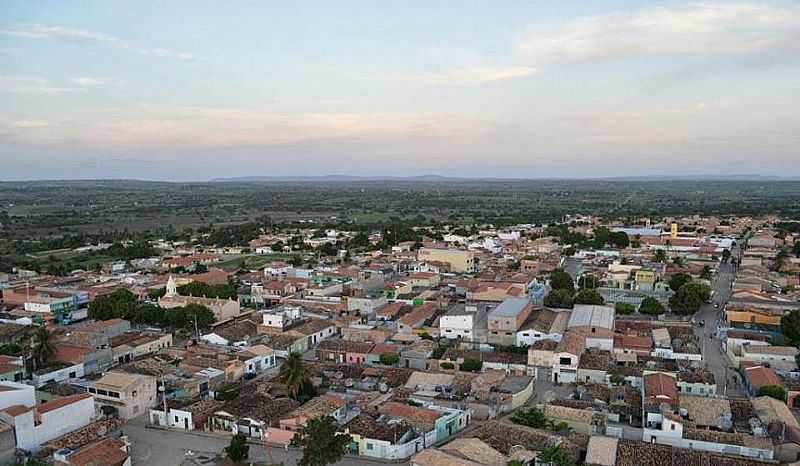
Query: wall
[
  {"x": 59, "y": 375},
  {"x": 23, "y": 395}
]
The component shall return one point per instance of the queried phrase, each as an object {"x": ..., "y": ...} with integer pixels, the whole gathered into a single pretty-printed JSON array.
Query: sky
[{"x": 193, "y": 89}]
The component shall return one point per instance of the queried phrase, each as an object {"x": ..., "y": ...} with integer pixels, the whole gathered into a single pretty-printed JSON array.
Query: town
[{"x": 610, "y": 341}]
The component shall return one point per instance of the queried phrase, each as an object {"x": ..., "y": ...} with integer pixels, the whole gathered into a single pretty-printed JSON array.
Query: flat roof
[
  {"x": 588, "y": 315},
  {"x": 511, "y": 307}
]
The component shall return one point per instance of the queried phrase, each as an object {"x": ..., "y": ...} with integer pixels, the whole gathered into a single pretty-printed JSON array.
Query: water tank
[{"x": 62, "y": 455}]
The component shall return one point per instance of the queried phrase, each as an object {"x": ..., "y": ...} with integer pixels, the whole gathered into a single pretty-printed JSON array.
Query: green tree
[
  {"x": 238, "y": 450},
  {"x": 559, "y": 299},
  {"x": 688, "y": 299},
  {"x": 619, "y": 239},
  {"x": 389, "y": 359},
  {"x": 531, "y": 417},
  {"x": 588, "y": 281},
  {"x": 660, "y": 256},
  {"x": 112, "y": 306},
  {"x": 790, "y": 326},
  {"x": 678, "y": 280},
  {"x": 706, "y": 273},
  {"x": 624, "y": 308},
  {"x": 42, "y": 346},
  {"x": 471, "y": 365},
  {"x": 560, "y": 280},
  {"x": 447, "y": 365},
  {"x": 321, "y": 442},
  {"x": 294, "y": 374},
  {"x": 774, "y": 391},
  {"x": 651, "y": 306},
  {"x": 588, "y": 297},
  {"x": 200, "y": 289},
  {"x": 554, "y": 455}
]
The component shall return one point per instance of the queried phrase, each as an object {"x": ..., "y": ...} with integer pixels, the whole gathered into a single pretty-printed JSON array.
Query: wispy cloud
[
  {"x": 29, "y": 85},
  {"x": 474, "y": 75},
  {"x": 59, "y": 33},
  {"x": 698, "y": 29},
  {"x": 42, "y": 31},
  {"x": 89, "y": 82}
]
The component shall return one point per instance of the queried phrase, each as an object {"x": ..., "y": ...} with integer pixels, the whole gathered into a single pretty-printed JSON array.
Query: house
[
  {"x": 464, "y": 321},
  {"x": 475, "y": 450},
  {"x": 697, "y": 382},
  {"x": 506, "y": 319},
  {"x": 705, "y": 412},
  {"x": 106, "y": 452},
  {"x": 186, "y": 415},
  {"x": 257, "y": 359},
  {"x": 314, "y": 331},
  {"x": 636, "y": 344},
  {"x": 35, "y": 425},
  {"x": 435, "y": 423},
  {"x": 759, "y": 376},
  {"x": 416, "y": 355},
  {"x": 598, "y": 321},
  {"x": 342, "y": 351},
  {"x": 781, "y": 358},
  {"x": 583, "y": 421},
  {"x": 374, "y": 436},
  {"x": 391, "y": 311},
  {"x": 423, "y": 279},
  {"x": 496, "y": 291},
  {"x": 129, "y": 395},
  {"x": 233, "y": 332},
  {"x": 11, "y": 368},
  {"x": 253, "y": 413},
  {"x": 593, "y": 366},
  {"x": 417, "y": 318},
  {"x": 132, "y": 345},
  {"x": 325, "y": 405},
  {"x": 543, "y": 324}
]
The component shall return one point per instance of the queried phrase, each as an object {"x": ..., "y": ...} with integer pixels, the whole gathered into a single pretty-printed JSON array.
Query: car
[
  {"x": 716, "y": 305},
  {"x": 702, "y": 323}
]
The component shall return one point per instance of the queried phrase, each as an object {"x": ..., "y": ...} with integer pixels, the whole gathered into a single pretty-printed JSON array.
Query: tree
[
  {"x": 560, "y": 280},
  {"x": 554, "y": 455},
  {"x": 660, "y": 256},
  {"x": 624, "y": 308},
  {"x": 294, "y": 374},
  {"x": 321, "y": 442},
  {"x": 706, "y": 273},
  {"x": 560, "y": 299},
  {"x": 43, "y": 348},
  {"x": 774, "y": 391},
  {"x": 238, "y": 450},
  {"x": 790, "y": 326},
  {"x": 689, "y": 298},
  {"x": 678, "y": 280},
  {"x": 447, "y": 365},
  {"x": 588, "y": 281},
  {"x": 651, "y": 306},
  {"x": 619, "y": 239},
  {"x": 531, "y": 417},
  {"x": 588, "y": 297},
  {"x": 112, "y": 306},
  {"x": 389, "y": 359},
  {"x": 471, "y": 365}
]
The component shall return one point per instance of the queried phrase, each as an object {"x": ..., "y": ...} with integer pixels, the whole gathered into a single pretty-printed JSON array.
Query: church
[{"x": 223, "y": 309}]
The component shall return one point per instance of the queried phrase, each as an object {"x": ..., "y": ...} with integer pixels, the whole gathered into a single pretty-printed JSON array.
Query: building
[
  {"x": 459, "y": 260},
  {"x": 506, "y": 319},
  {"x": 466, "y": 322},
  {"x": 129, "y": 395},
  {"x": 223, "y": 309},
  {"x": 35, "y": 425}
]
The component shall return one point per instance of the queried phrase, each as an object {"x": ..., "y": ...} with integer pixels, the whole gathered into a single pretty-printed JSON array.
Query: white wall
[
  {"x": 20, "y": 394},
  {"x": 59, "y": 375}
]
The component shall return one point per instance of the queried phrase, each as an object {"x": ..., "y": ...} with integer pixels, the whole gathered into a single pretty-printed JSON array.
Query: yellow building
[
  {"x": 742, "y": 316},
  {"x": 461, "y": 261}
]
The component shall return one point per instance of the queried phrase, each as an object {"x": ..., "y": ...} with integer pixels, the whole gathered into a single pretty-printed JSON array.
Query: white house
[
  {"x": 35, "y": 425},
  {"x": 463, "y": 321},
  {"x": 257, "y": 359}
]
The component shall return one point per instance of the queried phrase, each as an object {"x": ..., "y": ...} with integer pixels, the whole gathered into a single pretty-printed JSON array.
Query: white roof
[{"x": 588, "y": 315}]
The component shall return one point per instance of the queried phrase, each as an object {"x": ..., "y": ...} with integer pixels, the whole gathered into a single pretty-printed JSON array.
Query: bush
[
  {"x": 447, "y": 365},
  {"x": 471, "y": 365},
  {"x": 560, "y": 299},
  {"x": 774, "y": 391},
  {"x": 588, "y": 297},
  {"x": 390, "y": 359},
  {"x": 624, "y": 308},
  {"x": 689, "y": 298},
  {"x": 651, "y": 306}
]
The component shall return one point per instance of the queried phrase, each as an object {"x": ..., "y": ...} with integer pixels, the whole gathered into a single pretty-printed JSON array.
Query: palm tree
[
  {"x": 43, "y": 347},
  {"x": 294, "y": 374}
]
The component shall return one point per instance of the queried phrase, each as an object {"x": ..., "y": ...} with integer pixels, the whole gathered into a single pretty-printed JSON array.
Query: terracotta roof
[
  {"x": 16, "y": 410},
  {"x": 106, "y": 452},
  {"x": 660, "y": 387},
  {"x": 760, "y": 376},
  {"x": 422, "y": 417},
  {"x": 419, "y": 314},
  {"x": 70, "y": 353}
]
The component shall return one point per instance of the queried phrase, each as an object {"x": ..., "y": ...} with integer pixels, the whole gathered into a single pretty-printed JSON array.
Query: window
[
  {"x": 102, "y": 392},
  {"x": 565, "y": 361},
  {"x": 92, "y": 390},
  {"x": 133, "y": 394},
  {"x": 369, "y": 446},
  {"x": 176, "y": 418},
  {"x": 113, "y": 394},
  {"x": 72, "y": 375},
  {"x": 672, "y": 427}
]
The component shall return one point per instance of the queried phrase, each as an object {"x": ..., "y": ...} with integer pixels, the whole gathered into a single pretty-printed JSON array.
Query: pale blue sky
[{"x": 190, "y": 90}]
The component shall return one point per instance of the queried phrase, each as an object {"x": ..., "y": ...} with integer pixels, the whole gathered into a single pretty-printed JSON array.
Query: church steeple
[{"x": 172, "y": 288}]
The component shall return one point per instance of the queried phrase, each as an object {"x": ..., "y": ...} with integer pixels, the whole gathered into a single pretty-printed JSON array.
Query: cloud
[
  {"x": 473, "y": 75},
  {"x": 59, "y": 33},
  {"x": 89, "y": 82},
  {"x": 28, "y": 85},
  {"x": 42, "y": 31},
  {"x": 697, "y": 29}
]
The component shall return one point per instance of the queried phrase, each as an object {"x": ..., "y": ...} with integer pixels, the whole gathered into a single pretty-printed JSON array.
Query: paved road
[
  {"x": 715, "y": 359},
  {"x": 157, "y": 447}
]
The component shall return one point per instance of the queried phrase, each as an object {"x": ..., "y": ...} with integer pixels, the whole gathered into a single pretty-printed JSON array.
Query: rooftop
[
  {"x": 705, "y": 411},
  {"x": 588, "y": 315},
  {"x": 510, "y": 307}
]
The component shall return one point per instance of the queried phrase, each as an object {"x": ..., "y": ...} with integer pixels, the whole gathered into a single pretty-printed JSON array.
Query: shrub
[
  {"x": 624, "y": 308},
  {"x": 447, "y": 365},
  {"x": 471, "y": 365}
]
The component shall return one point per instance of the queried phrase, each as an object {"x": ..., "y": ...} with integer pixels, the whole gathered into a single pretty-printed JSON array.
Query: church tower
[{"x": 172, "y": 288}]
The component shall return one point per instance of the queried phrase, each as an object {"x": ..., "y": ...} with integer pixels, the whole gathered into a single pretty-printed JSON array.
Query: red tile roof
[
  {"x": 760, "y": 376},
  {"x": 660, "y": 387},
  {"x": 61, "y": 402}
]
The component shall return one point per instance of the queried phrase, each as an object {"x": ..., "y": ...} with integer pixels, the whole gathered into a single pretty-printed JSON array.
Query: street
[
  {"x": 713, "y": 357},
  {"x": 159, "y": 447}
]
